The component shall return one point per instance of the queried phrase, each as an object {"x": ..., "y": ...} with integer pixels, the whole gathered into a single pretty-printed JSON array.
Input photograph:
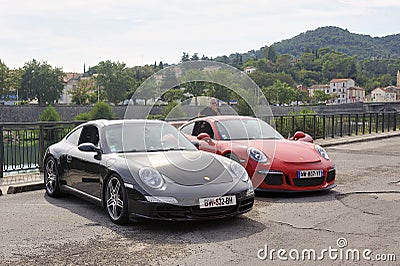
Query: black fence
[
  {"x": 335, "y": 125},
  {"x": 22, "y": 145}
]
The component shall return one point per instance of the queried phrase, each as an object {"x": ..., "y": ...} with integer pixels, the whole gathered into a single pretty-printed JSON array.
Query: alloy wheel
[
  {"x": 114, "y": 198},
  {"x": 51, "y": 176}
]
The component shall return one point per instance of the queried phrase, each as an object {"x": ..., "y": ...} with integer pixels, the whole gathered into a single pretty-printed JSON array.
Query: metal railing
[
  {"x": 335, "y": 125},
  {"x": 22, "y": 145}
]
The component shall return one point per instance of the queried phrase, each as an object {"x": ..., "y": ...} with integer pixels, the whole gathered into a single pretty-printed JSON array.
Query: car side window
[
  {"x": 223, "y": 131},
  {"x": 188, "y": 129},
  {"x": 202, "y": 127},
  {"x": 90, "y": 134},
  {"x": 73, "y": 137}
]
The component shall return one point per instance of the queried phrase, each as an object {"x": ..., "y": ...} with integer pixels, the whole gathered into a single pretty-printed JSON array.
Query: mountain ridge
[
  {"x": 341, "y": 40},
  {"x": 362, "y": 46}
]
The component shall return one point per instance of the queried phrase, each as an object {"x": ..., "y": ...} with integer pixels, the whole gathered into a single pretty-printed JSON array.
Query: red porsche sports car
[{"x": 273, "y": 162}]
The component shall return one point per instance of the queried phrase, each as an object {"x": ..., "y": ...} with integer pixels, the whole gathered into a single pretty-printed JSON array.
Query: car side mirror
[
  {"x": 299, "y": 135},
  {"x": 203, "y": 136},
  {"x": 90, "y": 147}
]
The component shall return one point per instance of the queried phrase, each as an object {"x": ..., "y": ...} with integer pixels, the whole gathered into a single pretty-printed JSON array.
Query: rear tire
[
  {"x": 116, "y": 200},
  {"x": 51, "y": 178}
]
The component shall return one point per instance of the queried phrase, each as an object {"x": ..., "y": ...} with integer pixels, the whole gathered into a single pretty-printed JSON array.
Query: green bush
[
  {"x": 50, "y": 114},
  {"x": 174, "y": 110},
  {"x": 83, "y": 117},
  {"x": 156, "y": 117},
  {"x": 101, "y": 110}
]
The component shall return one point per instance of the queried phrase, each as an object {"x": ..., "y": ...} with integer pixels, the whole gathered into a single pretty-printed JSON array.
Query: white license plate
[
  {"x": 310, "y": 173},
  {"x": 217, "y": 202}
]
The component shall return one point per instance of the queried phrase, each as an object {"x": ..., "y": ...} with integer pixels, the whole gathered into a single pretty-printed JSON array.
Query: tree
[
  {"x": 83, "y": 92},
  {"x": 115, "y": 79},
  {"x": 14, "y": 79},
  {"x": 41, "y": 81},
  {"x": 101, "y": 110},
  {"x": 300, "y": 96},
  {"x": 272, "y": 53},
  {"x": 279, "y": 93},
  {"x": 321, "y": 96},
  {"x": 194, "y": 57},
  {"x": 50, "y": 114},
  {"x": 4, "y": 86},
  {"x": 85, "y": 116},
  {"x": 185, "y": 57},
  {"x": 173, "y": 95},
  {"x": 174, "y": 111}
]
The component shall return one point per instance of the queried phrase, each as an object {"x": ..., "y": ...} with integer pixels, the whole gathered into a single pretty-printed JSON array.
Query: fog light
[
  {"x": 250, "y": 190},
  {"x": 161, "y": 199}
]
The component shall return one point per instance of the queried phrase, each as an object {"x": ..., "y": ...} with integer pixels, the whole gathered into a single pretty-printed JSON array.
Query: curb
[
  {"x": 334, "y": 142},
  {"x": 25, "y": 188}
]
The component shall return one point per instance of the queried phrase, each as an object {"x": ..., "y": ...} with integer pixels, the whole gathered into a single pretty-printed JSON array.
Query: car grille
[
  {"x": 331, "y": 175},
  {"x": 213, "y": 211},
  {"x": 246, "y": 205},
  {"x": 308, "y": 182},
  {"x": 273, "y": 178}
]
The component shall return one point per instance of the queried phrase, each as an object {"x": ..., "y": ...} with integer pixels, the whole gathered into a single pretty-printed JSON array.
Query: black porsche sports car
[{"x": 145, "y": 169}]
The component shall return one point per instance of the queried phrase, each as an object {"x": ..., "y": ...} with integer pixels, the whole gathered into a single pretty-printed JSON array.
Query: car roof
[
  {"x": 105, "y": 122},
  {"x": 223, "y": 117}
]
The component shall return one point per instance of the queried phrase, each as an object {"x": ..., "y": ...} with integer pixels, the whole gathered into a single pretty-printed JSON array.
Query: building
[
  {"x": 355, "y": 94},
  {"x": 249, "y": 70},
  {"x": 318, "y": 87},
  {"x": 70, "y": 81},
  {"x": 339, "y": 88},
  {"x": 398, "y": 78},
  {"x": 388, "y": 94}
]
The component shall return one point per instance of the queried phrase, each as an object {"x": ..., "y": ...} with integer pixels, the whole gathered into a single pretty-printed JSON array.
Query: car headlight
[
  {"x": 322, "y": 152},
  {"x": 257, "y": 155},
  {"x": 239, "y": 171},
  {"x": 151, "y": 177}
]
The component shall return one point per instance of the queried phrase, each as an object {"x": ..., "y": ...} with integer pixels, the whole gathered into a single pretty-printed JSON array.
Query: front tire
[
  {"x": 51, "y": 178},
  {"x": 116, "y": 200}
]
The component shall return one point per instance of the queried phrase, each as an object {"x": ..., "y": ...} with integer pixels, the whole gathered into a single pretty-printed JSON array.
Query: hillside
[{"x": 364, "y": 46}]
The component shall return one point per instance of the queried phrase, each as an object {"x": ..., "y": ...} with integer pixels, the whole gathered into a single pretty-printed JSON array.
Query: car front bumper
[
  {"x": 286, "y": 180},
  {"x": 139, "y": 209}
]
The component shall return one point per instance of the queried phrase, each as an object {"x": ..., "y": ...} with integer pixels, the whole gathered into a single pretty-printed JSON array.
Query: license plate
[
  {"x": 310, "y": 173},
  {"x": 217, "y": 202}
]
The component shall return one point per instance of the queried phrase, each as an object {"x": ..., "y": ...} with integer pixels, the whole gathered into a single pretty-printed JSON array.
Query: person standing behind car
[{"x": 210, "y": 110}]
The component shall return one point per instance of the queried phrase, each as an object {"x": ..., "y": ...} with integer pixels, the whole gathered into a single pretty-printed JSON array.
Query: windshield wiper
[
  {"x": 133, "y": 150},
  {"x": 168, "y": 149}
]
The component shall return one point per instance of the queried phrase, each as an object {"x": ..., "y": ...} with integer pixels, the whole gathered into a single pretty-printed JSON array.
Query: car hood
[
  {"x": 189, "y": 168},
  {"x": 288, "y": 151}
]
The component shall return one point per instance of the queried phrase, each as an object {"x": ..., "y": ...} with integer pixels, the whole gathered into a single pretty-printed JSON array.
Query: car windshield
[
  {"x": 145, "y": 136},
  {"x": 245, "y": 129}
]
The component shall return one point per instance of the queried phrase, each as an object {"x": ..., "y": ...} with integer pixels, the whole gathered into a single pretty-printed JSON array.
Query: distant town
[{"x": 338, "y": 91}]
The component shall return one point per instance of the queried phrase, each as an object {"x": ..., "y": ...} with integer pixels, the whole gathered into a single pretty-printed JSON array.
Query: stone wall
[{"x": 31, "y": 113}]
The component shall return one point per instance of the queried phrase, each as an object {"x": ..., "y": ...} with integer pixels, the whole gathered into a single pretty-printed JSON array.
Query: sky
[{"x": 71, "y": 33}]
